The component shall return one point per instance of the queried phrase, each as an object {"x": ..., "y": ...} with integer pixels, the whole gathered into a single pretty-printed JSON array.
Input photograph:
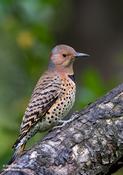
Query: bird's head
[{"x": 63, "y": 56}]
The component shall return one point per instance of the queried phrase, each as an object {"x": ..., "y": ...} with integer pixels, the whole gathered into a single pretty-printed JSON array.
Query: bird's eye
[{"x": 64, "y": 55}]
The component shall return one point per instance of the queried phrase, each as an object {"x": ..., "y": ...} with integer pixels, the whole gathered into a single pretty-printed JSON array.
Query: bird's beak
[{"x": 78, "y": 54}]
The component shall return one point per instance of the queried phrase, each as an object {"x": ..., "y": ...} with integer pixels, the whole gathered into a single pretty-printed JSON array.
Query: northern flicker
[{"x": 53, "y": 96}]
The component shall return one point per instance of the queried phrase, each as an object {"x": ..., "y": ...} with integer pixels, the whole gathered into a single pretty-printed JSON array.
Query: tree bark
[{"x": 91, "y": 144}]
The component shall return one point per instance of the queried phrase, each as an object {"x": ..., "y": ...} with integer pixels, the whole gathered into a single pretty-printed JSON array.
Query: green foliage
[{"x": 92, "y": 87}]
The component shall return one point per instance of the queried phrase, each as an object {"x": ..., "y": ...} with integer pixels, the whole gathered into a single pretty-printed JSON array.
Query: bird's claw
[{"x": 62, "y": 123}]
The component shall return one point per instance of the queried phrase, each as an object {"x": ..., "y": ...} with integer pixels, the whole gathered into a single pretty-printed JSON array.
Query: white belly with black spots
[{"x": 61, "y": 107}]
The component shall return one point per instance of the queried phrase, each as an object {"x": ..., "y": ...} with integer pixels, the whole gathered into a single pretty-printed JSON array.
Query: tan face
[{"x": 63, "y": 55}]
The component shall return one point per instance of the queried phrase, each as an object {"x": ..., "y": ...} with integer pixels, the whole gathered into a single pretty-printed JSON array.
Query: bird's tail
[
  {"x": 18, "y": 148},
  {"x": 17, "y": 152}
]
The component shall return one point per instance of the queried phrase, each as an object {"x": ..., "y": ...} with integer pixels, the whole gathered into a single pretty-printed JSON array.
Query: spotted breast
[{"x": 62, "y": 105}]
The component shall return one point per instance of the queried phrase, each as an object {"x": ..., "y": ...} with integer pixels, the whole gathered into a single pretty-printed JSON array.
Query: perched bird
[{"x": 52, "y": 98}]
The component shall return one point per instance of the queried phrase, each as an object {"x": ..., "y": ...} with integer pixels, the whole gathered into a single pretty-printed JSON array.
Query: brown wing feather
[{"x": 44, "y": 95}]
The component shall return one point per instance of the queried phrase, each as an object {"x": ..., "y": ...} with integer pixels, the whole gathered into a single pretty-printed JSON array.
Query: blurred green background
[{"x": 28, "y": 31}]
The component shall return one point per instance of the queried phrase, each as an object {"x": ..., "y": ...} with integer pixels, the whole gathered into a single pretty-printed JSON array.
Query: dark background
[{"x": 28, "y": 31}]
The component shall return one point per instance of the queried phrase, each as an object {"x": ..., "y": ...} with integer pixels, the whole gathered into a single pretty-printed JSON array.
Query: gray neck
[{"x": 51, "y": 65}]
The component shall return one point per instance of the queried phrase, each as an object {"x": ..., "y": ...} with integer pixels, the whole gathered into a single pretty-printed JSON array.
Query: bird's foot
[{"x": 62, "y": 123}]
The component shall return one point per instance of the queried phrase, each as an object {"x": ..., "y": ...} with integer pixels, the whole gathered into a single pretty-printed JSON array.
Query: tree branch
[{"x": 91, "y": 144}]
